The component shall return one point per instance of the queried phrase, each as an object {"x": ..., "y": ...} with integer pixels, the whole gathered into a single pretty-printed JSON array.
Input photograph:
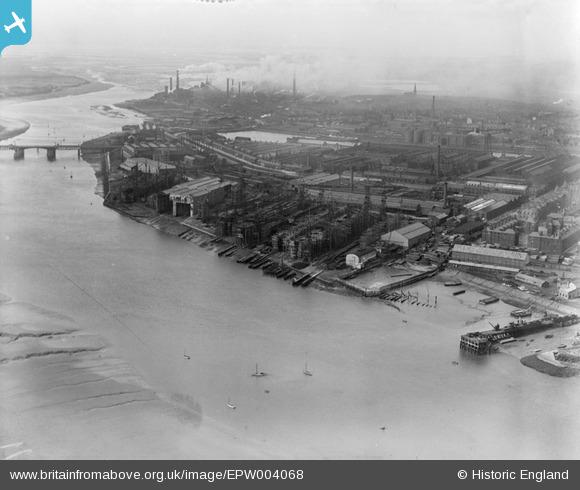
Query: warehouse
[
  {"x": 492, "y": 256},
  {"x": 146, "y": 166},
  {"x": 189, "y": 197},
  {"x": 407, "y": 236},
  {"x": 532, "y": 280}
]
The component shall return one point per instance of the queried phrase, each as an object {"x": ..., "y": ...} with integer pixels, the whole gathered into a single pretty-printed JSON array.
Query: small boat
[
  {"x": 305, "y": 371},
  {"x": 259, "y": 374},
  {"x": 233, "y": 407},
  {"x": 186, "y": 356},
  {"x": 458, "y": 292},
  {"x": 454, "y": 283},
  {"x": 521, "y": 313},
  {"x": 537, "y": 350},
  {"x": 488, "y": 301}
]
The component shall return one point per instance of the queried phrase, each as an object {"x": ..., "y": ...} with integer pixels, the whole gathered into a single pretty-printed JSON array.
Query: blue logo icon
[{"x": 16, "y": 22}]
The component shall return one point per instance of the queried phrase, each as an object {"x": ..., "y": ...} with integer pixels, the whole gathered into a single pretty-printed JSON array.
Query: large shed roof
[{"x": 491, "y": 252}]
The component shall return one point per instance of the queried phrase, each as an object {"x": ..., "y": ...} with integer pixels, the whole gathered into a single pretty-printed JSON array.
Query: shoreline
[
  {"x": 206, "y": 240},
  {"x": 557, "y": 370},
  {"x": 10, "y": 128},
  {"x": 86, "y": 88}
]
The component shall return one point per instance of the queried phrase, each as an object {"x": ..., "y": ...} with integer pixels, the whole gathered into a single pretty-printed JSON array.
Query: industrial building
[
  {"x": 532, "y": 280},
  {"x": 543, "y": 171},
  {"x": 490, "y": 256},
  {"x": 469, "y": 230},
  {"x": 146, "y": 166},
  {"x": 357, "y": 258},
  {"x": 154, "y": 150},
  {"x": 492, "y": 205},
  {"x": 407, "y": 236},
  {"x": 317, "y": 179},
  {"x": 189, "y": 198}
]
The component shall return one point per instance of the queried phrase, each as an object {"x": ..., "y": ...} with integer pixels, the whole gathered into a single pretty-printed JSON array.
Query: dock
[
  {"x": 480, "y": 343},
  {"x": 224, "y": 251}
]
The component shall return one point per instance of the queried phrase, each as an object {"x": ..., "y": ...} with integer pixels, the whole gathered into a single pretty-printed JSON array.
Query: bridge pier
[
  {"x": 18, "y": 153},
  {"x": 51, "y": 154}
]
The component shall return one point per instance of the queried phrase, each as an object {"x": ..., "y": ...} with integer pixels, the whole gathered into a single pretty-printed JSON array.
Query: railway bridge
[{"x": 51, "y": 149}]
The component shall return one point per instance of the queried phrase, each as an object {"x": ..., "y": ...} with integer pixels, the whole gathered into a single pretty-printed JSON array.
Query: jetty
[{"x": 482, "y": 342}]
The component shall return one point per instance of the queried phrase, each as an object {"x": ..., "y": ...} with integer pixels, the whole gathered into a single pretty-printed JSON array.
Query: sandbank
[
  {"x": 66, "y": 394},
  {"x": 9, "y": 128}
]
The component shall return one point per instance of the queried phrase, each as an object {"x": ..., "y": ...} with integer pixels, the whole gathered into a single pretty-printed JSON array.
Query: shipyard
[{"x": 285, "y": 183}]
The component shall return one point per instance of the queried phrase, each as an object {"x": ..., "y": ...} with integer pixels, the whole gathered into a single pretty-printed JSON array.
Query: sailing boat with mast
[
  {"x": 259, "y": 374},
  {"x": 305, "y": 370},
  {"x": 230, "y": 405}
]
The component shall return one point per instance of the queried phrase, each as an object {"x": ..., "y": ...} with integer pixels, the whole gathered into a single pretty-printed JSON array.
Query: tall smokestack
[
  {"x": 228, "y": 88},
  {"x": 445, "y": 194},
  {"x": 351, "y": 179},
  {"x": 239, "y": 88},
  {"x": 433, "y": 108},
  {"x": 177, "y": 81},
  {"x": 171, "y": 84},
  {"x": 294, "y": 86}
]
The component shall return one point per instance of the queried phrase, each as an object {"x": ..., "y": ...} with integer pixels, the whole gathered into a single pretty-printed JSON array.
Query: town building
[
  {"x": 564, "y": 239},
  {"x": 569, "y": 291}
]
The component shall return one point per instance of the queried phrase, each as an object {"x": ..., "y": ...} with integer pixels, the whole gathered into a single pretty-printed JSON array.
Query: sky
[
  {"x": 531, "y": 29},
  {"x": 507, "y": 48}
]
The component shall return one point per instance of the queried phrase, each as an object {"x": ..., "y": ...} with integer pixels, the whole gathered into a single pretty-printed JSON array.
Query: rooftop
[{"x": 491, "y": 252}]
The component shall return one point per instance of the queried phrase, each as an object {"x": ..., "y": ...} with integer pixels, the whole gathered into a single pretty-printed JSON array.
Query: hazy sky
[{"x": 535, "y": 29}]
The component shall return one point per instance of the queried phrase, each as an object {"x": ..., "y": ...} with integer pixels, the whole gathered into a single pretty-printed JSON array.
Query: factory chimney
[
  {"x": 228, "y": 88},
  {"x": 177, "y": 81},
  {"x": 294, "y": 86},
  {"x": 351, "y": 179},
  {"x": 239, "y": 88},
  {"x": 444, "y": 194},
  {"x": 171, "y": 84},
  {"x": 433, "y": 108}
]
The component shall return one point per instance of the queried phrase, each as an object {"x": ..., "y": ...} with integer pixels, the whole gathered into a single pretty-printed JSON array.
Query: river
[{"x": 152, "y": 296}]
